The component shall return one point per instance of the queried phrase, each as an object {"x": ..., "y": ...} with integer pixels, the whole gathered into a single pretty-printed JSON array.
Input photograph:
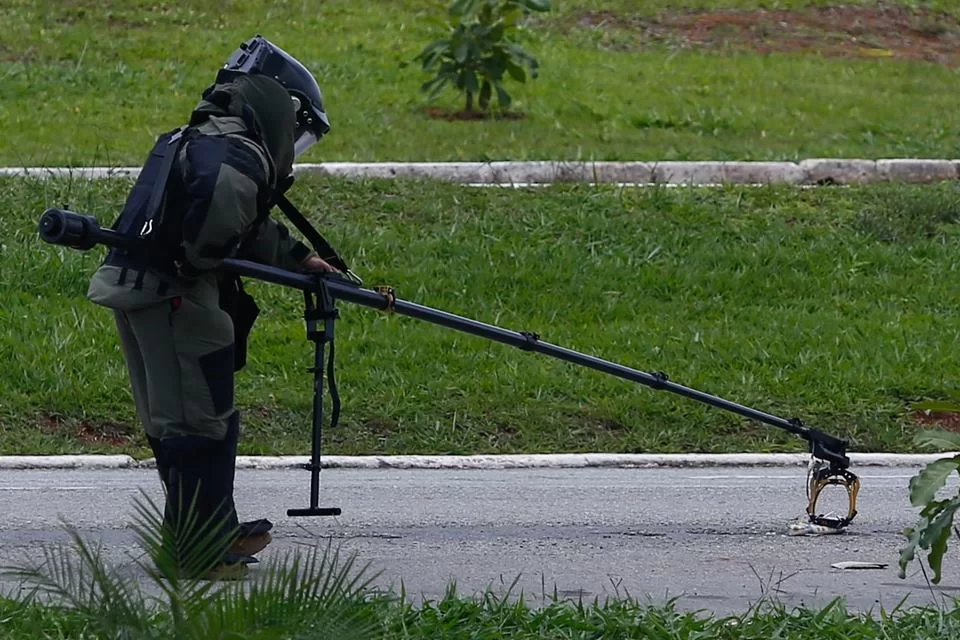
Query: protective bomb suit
[{"x": 203, "y": 195}]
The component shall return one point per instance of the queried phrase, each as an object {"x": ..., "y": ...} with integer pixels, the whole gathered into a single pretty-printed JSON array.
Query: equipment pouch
[{"x": 243, "y": 310}]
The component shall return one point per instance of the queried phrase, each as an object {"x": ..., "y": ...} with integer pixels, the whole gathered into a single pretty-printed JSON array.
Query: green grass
[
  {"x": 457, "y": 617},
  {"x": 836, "y": 305},
  {"x": 24, "y": 621},
  {"x": 89, "y": 82}
]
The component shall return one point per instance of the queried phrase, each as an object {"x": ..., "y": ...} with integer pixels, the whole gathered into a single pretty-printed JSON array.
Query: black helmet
[{"x": 259, "y": 55}]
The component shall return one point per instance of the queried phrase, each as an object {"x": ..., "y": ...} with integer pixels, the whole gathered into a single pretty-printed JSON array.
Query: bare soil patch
[
  {"x": 112, "y": 434},
  {"x": 946, "y": 420},
  {"x": 883, "y": 31}
]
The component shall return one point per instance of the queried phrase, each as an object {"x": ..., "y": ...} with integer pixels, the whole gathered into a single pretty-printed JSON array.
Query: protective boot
[
  {"x": 252, "y": 536},
  {"x": 163, "y": 470},
  {"x": 199, "y": 508}
]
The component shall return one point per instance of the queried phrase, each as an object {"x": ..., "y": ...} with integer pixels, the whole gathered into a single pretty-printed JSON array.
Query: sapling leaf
[
  {"x": 936, "y": 535},
  {"x": 480, "y": 42},
  {"x": 909, "y": 551},
  {"x": 938, "y": 439},
  {"x": 485, "y": 91},
  {"x": 925, "y": 485}
]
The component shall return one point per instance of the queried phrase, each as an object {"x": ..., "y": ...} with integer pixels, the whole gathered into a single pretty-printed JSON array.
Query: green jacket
[{"x": 224, "y": 178}]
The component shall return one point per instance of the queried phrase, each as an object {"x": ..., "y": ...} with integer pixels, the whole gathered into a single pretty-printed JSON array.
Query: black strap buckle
[{"x": 389, "y": 295}]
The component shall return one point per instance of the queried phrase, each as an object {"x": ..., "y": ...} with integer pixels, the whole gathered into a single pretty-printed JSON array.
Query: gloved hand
[{"x": 316, "y": 263}]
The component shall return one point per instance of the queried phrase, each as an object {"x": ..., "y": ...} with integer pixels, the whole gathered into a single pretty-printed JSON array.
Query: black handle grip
[
  {"x": 77, "y": 231},
  {"x": 58, "y": 226}
]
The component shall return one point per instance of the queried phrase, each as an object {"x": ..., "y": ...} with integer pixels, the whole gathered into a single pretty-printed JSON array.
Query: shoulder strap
[
  {"x": 320, "y": 244},
  {"x": 160, "y": 186}
]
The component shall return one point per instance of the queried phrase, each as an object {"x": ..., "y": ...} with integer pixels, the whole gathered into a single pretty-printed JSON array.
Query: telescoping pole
[{"x": 823, "y": 445}]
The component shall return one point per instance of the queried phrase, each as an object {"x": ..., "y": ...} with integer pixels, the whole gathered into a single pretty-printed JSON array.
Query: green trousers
[{"x": 180, "y": 356}]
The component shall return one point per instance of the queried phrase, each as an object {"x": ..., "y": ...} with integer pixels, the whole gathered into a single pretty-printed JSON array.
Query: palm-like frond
[
  {"x": 315, "y": 594},
  {"x": 77, "y": 577}
]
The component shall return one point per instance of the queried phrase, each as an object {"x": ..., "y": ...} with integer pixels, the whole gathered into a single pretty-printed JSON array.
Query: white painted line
[{"x": 517, "y": 461}]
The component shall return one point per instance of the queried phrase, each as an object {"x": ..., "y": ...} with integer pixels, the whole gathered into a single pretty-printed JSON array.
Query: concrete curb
[
  {"x": 814, "y": 171},
  {"x": 67, "y": 462},
  {"x": 481, "y": 462}
]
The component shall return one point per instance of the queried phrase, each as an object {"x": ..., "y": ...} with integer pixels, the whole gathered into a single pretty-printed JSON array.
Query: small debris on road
[
  {"x": 859, "y": 565},
  {"x": 810, "y": 529}
]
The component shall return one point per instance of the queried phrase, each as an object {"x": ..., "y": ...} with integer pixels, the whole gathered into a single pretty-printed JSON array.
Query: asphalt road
[{"x": 713, "y": 537}]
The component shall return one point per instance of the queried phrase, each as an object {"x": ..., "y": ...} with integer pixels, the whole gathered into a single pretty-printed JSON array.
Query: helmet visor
[{"x": 305, "y": 140}]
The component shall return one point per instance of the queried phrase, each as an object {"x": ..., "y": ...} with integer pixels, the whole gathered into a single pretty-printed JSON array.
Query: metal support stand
[{"x": 320, "y": 315}]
